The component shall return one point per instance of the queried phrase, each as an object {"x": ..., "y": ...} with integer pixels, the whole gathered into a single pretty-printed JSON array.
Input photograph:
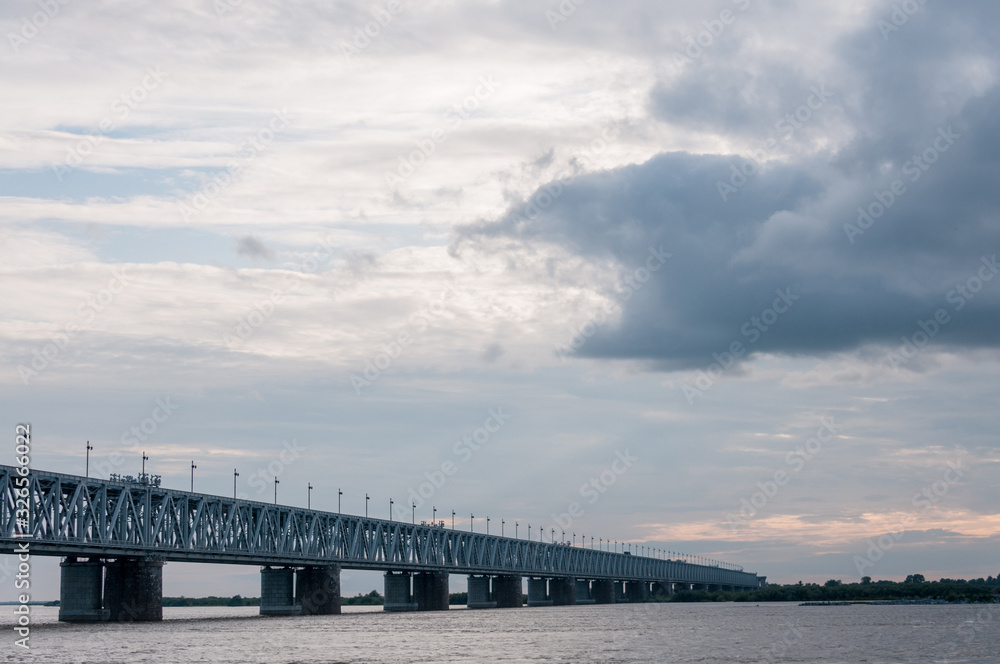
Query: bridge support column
[
  {"x": 479, "y": 593},
  {"x": 397, "y": 593},
  {"x": 699, "y": 586},
  {"x": 430, "y": 591},
  {"x": 603, "y": 591},
  {"x": 317, "y": 590},
  {"x": 637, "y": 591},
  {"x": 276, "y": 596},
  {"x": 81, "y": 591},
  {"x": 582, "y": 591},
  {"x": 507, "y": 592},
  {"x": 133, "y": 590},
  {"x": 562, "y": 590},
  {"x": 620, "y": 591},
  {"x": 662, "y": 589},
  {"x": 537, "y": 595}
]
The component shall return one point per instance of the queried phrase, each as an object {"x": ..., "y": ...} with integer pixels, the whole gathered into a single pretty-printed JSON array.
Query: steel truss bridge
[{"x": 70, "y": 515}]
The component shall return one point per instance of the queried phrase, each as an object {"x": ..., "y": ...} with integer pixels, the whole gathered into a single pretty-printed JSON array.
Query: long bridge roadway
[{"x": 115, "y": 537}]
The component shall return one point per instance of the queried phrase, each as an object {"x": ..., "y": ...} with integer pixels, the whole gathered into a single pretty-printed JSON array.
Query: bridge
[{"x": 115, "y": 536}]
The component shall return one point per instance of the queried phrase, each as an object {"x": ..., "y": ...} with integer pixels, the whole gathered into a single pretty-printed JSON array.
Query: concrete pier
[
  {"x": 507, "y": 592},
  {"x": 620, "y": 591},
  {"x": 133, "y": 590},
  {"x": 538, "y": 592},
  {"x": 637, "y": 591},
  {"x": 81, "y": 591},
  {"x": 583, "y": 595},
  {"x": 397, "y": 592},
  {"x": 317, "y": 590},
  {"x": 276, "y": 592},
  {"x": 479, "y": 593},
  {"x": 603, "y": 591},
  {"x": 562, "y": 590},
  {"x": 430, "y": 591},
  {"x": 662, "y": 589}
]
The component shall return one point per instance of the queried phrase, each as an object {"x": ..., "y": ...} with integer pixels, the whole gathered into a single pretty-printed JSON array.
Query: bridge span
[{"x": 115, "y": 537}]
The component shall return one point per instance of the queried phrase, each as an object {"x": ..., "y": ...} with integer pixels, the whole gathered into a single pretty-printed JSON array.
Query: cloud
[
  {"x": 810, "y": 254},
  {"x": 254, "y": 247}
]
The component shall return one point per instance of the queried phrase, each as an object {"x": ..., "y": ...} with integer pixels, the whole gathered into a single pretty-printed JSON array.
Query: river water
[{"x": 696, "y": 633}]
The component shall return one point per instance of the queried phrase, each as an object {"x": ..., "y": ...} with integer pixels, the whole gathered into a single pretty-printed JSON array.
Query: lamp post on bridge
[
  {"x": 516, "y": 524},
  {"x": 487, "y": 525},
  {"x": 144, "y": 460},
  {"x": 502, "y": 522},
  {"x": 434, "y": 516},
  {"x": 529, "y": 532},
  {"x": 235, "y": 475},
  {"x": 275, "y": 490},
  {"x": 552, "y": 537},
  {"x": 339, "y": 494},
  {"x": 89, "y": 447},
  {"x": 309, "y": 495},
  {"x": 574, "y": 538},
  {"x": 591, "y": 542},
  {"x": 390, "y": 509},
  {"x": 472, "y": 522},
  {"x": 192, "y": 475},
  {"x": 413, "y": 514},
  {"x": 367, "y": 498},
  {"x": 453, "y": 519}
]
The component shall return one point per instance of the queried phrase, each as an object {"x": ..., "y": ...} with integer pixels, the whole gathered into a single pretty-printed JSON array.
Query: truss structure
[{"x": 70, "y": 515}]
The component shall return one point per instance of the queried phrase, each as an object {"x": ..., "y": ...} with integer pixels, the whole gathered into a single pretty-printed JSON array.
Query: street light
[
  {"x": 453, "y": 519},
  {"x": 235, "y": 475},
  {"x": 502, "y": 522},
  {"x": 275, "y": 490},
  {"x": 390, "y": 509},
  {"x": 487, "y": 525},
  {"x": 192, "y": 475},
  {"x": 89, "y": 447},
  {"x": 472, "y": 522},
  {"x": 309, "y": 495},
  {"x": 516, "y": 524},
  {"x": 529, "y": 532},
  {"x": 434, "y": 515},
  {"x": 367, "y": 498},
  {"x": 413, "y": 515},
  {"x": 144, "y": 460},
  {"x": 339, "y": 494}
]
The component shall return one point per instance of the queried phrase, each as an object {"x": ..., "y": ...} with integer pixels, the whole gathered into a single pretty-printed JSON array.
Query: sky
[{"x": 716, "y": 277}]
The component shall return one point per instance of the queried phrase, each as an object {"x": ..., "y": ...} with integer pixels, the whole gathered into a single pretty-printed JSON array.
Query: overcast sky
[{"x": 747, "y": 245}]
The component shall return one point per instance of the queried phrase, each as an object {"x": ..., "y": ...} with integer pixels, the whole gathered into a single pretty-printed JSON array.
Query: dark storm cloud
[{"x": 789, "y": 246}]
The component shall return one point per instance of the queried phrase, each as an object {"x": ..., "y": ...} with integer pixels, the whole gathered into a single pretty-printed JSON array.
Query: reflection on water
[{"x": 703, "y": 633}]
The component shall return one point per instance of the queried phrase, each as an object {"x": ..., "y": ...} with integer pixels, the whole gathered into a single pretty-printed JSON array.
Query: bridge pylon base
[
  {"x": 81, "y": 591},
  {"x": 603, "y": 591},
  {"x": 562, "y": 590},
  {"x": 538, "y": 592},
  {"x": 276, "y": 592},
  {"x": 317, "y": 590},
  {"x": 397, "y": 593},
  {"x": 430, "y": 591},
  {"x": 133, "y": 590},
  {"x": 507, "y": 592}
]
